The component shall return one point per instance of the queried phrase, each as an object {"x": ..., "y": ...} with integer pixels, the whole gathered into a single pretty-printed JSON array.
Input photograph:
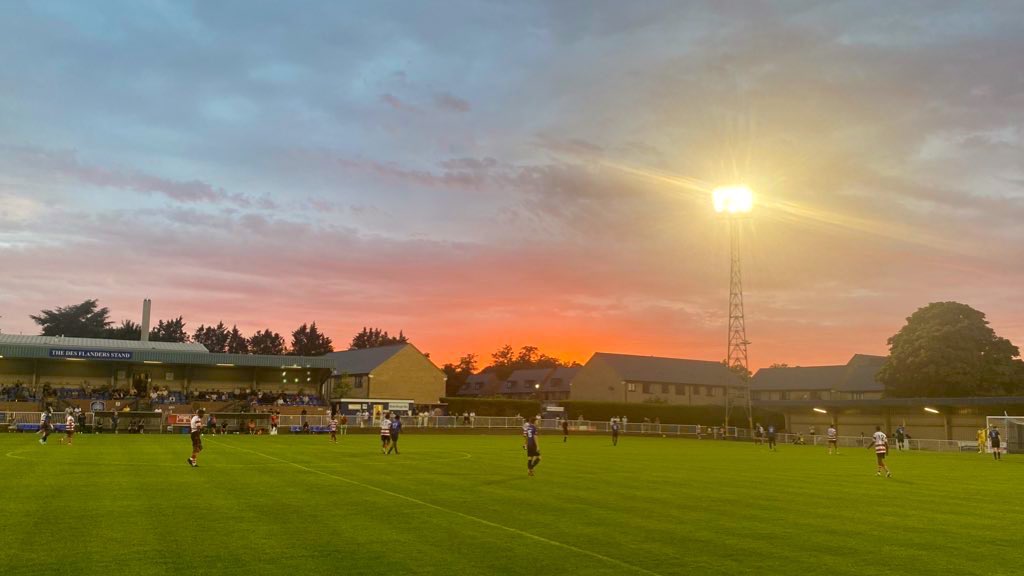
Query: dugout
[{"x": 923, "y": 418}]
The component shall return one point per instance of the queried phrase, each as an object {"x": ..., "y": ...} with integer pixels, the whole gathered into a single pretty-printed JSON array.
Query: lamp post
[{"x": 734, "y": 203}]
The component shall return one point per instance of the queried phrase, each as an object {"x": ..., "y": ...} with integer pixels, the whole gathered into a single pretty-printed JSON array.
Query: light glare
[
  {"x": 821, "y": 410},
  {"x": 932, "y": 410},
  {"x": 733, "y": 199}
]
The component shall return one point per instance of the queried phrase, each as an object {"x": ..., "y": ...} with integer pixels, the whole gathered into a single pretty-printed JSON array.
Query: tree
[
  {"x": 779, "y": 365},
  {"x": 309, "y": 341},
  {"x": 506, "y": 360},
  {"x": 266, "y": 342},
  {"x": 948, "y": 349},
  {"x": 169, "y": 331},
  {"x": 458, "y": 373},
  {"x": 374, "y": 337},
  {"x": 128, "y": 330},
  {"x": 85, "y": 320},
  {"x": 237, "y": 344},
  {"x": 214, "y": 338}
]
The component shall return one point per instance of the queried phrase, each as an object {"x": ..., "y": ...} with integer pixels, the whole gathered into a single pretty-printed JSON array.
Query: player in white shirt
[
  {"x": 833, "y": 439},
  {"x": 881, "y": 445},
  {"x": 385, "y": 433},
  {"x": 196, "y": 427},
  {"x": 69, "y": 427}
]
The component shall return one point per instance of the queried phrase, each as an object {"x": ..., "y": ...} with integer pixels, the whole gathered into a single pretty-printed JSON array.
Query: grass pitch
[{"x": 463, "y": 504}]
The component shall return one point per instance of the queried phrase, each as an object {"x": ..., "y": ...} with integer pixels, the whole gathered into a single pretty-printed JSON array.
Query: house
[
  {"x": 398, "y": 371},
  {"x": 525, "y": 384},
  {"x": 855, "y": 380},
  {"x": 557, "y": 386},
  {"x": 480, "y": 385},
  {"x": 608, "y": 377}
]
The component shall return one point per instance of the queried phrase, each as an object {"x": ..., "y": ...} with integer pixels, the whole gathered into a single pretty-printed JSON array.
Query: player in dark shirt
[
  {"x": 615, "y": 433},
  {"x": 396, "y": 429},
  {"x": 771, "y": 438},
  {"x": 532, "y": 451},
  {"x": 994, "y": 440},
  {"x": 565, "y": 429}
]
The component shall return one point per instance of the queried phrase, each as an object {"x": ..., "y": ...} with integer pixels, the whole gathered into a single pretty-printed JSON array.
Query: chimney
[{"x": 145, "y": 319}]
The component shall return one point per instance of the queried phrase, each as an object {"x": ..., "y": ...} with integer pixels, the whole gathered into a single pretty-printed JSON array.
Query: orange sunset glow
[{"x": 560, "y": 195}]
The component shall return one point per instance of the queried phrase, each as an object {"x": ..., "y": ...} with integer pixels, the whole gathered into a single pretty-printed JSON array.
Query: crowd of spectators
[
  {"x": 17, "y": 393},
  {"x": 158, "y": 395}
]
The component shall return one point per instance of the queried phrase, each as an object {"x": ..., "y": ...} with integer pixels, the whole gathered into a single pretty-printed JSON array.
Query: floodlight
[
  {"x": 932, "y": 410},
  {"x": 733, "y": 199},
  {"x": 821, "y": 410}
]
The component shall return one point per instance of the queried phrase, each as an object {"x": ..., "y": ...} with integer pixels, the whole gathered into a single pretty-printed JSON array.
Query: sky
[{"x": 527, "y": 173}]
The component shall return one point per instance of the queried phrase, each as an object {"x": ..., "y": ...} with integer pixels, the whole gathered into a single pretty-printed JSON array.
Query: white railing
[{"x": 512, "y": 423}]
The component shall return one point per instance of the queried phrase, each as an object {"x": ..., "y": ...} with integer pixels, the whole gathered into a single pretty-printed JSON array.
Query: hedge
[{"x": 493, "y": 406}]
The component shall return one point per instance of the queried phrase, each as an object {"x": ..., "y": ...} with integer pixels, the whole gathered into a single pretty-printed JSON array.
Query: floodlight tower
[{"x": 735, "y": 204}]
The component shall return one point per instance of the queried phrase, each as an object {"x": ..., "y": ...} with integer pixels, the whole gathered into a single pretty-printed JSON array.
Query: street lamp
[{"x": 735, "y": 202}]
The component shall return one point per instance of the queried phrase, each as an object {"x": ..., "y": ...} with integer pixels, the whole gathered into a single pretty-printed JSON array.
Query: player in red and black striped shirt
[
  {"x": 881, "y": 445},
  {"x": 196, "y": 428},
  {"x": 69, "y": 427}
]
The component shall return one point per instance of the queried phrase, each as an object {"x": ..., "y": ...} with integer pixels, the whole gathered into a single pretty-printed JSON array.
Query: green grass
[{"x": 462, "y": 504}]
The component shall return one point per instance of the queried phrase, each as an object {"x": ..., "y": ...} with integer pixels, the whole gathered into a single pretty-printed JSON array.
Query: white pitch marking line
[{"x": 455, "y": 512}]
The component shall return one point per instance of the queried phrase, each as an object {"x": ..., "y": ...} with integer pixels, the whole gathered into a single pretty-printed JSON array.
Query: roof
[
  {"x": 363, "y": 360},
  {"x": 560, "y": 379},
  {"x": 857, "y": 375},
  {"x": 978, "y": 401},
  {"x": 98, "y": 343},
  {"x": 668, "y": 370},
  {"x": 43, "y": 347},
  {"x": 535, "y": 374},
  {"x": 482, "y": 384}
]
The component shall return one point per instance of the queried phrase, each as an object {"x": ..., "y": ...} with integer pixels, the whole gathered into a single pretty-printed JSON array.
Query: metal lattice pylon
[{"x": 737, "y": 354}]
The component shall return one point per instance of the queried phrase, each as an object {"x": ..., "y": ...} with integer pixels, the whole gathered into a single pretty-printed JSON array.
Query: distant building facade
[
  {"x": 398, "y": 372},
  {"x": 610, "y": 377}
]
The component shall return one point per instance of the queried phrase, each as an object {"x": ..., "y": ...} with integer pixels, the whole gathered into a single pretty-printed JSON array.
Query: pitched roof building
[
  {"x": 399, "y": 371},
  {"x": 855, "y": 380},
  {"x": 610, "y": 377},
  {"x": 480, "y": 385}
]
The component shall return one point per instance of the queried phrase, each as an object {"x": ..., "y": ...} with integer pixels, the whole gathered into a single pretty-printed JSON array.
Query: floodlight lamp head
[{"x": 733, "y": 199}]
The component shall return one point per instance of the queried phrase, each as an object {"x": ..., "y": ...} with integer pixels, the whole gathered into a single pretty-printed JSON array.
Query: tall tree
[
  {"x": 128, "y": 330},
  {"x": 309, "y": 341},
  {"x": 214, "y": 338},
  {"x": 237, "y": 344},
  {"x": 169, "y": 331},
  {"x": 458, "y": 373},
  {"x": 374, "y": 337},
  {"x": 948, "y": 349},
  {"x": 85, "y": 320},
  {"x": 267, "y": 342},
  {"x": 505, "y": 360}
]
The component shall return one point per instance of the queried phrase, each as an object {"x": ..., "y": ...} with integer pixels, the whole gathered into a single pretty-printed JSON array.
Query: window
[
  {"x": 357, "y": 381},
  {"x": 697, "y": 390},
  {"x": 680, "y": 389},
  {"x": 647, "y": 388},
  {"x": 631, "y": 387},
  {"x": 664, "y": 388}
]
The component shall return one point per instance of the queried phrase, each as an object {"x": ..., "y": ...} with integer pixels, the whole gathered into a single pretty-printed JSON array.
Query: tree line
[
  {"x": 88, "y": 320},
  {"x": 504, "y": 361}
]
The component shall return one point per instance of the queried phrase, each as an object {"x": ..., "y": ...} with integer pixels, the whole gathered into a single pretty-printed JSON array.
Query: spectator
[{"x": 252, "y": 426}]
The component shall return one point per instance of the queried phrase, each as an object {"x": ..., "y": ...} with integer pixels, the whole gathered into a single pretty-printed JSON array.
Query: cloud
[
  {"x": 65, "y": 165},
  {"x": 447, "y": 101}
]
